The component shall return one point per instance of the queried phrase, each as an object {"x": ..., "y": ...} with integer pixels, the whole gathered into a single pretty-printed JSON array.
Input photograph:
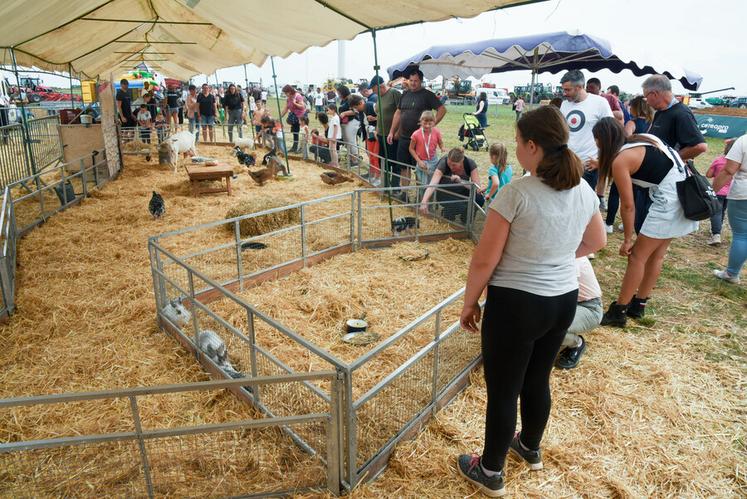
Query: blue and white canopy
[{"x": 548, "y": 52}]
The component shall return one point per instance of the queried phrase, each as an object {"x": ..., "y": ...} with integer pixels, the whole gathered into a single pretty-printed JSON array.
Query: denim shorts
[{"x": 207, "y": 120}]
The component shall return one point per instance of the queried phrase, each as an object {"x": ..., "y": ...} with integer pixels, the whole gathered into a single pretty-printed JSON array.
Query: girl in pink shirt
[
  {"x": 423, "y": 144},
  {"x": 717, "y": 219}
]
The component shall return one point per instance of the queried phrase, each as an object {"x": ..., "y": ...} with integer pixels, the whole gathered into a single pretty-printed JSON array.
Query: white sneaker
[
  {"x": 621, "y": 227},
  {"x": 725, "y": 276},
  {"x": 591, "y": 256},
  {"x": 609, "y": 228},
  {"x": 715, "y": 240}
]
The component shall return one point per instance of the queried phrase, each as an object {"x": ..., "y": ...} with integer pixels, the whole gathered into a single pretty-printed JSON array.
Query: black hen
[
  {"x": 156, "y": 206},
  {"x": 244, "y": 158},
  {"x": 269, "y": 155}
]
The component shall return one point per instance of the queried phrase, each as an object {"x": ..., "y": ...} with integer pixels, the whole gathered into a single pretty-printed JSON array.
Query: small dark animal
[
  {"x": 253, "y": 245},
  {"x": 265, "y": 174},
  {"x": 404, "y": 225},
  {"x": 266, "y": 157},
  {"x": 334, "y": 178},
  {"x": 156, "y": 206},
  {"x": 244, "y": 158}
]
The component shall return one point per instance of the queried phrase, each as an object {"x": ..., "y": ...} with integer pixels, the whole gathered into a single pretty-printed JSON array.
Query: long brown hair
[
  {"x": 640, "y": 108},
  {"x": 559, "y": 168},
  {"x": 610, "y": 137}
]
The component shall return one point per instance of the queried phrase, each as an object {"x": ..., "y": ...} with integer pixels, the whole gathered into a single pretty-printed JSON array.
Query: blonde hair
[
  {"x": 427, "y": 115},
  {"x": 500, "y": 153}
]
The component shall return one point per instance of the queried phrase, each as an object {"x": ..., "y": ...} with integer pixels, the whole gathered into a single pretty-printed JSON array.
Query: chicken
[
  {"x": 156, "y": 206},
  {"x": 266, "y": 157},
  {"x": 265, "y": 174},
  {"x": 244, "y": 158},
  {"x": 334, "y": 178}
]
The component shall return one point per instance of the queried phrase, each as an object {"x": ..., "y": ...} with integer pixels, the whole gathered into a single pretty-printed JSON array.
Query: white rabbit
[{"x": 176, "y": 313}]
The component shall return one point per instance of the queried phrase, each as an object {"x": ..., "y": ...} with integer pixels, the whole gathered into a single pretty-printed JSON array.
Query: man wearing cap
[
  {"x": 407, "y": 119},
  {"x": 386, "y": 106}
]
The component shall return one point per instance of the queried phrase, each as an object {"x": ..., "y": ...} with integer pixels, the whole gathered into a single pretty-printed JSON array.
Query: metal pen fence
[
  {"x": 32, "y": 200},
  {"x": 133, "y": 451},
  {"x": 439, "y": 354},
  {"x": 44, "y": 146}
]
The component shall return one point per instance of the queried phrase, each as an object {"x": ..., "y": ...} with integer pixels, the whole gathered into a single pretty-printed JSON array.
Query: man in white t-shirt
[
  {"x": 263, "y": 97},
  {"x": 582, "y": 110},
  {"x": 318, "y": 100}
]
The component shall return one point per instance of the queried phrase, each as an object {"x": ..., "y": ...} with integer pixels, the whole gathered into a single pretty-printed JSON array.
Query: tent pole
[
  {"x": 531, "y": 93},
  {"x": 70, "y": 77},
  {"x": 251, "y": 114},
  {"x": 25, "y": 128},
  {"x": 385, "y": 167},
  {"x": 282, "y": 128}
]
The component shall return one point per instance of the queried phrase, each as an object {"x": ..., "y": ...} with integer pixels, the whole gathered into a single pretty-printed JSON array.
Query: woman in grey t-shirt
[{"x": 536, "y": 227}]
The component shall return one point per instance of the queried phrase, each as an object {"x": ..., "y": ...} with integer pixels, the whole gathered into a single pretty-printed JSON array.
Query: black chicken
[
  {"x": 156, "y": 206},
  {"x": 244, "y": 158},
  {"x": 269, "y": 155}
]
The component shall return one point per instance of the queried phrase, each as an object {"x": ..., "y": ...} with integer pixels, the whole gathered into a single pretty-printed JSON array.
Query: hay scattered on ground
[{"x": 262, "y": 224}]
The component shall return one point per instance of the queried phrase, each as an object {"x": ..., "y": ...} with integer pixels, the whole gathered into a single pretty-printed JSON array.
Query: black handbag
[
  {"x": 292, "y": 119},
  {"x": 696, "y": 195}
]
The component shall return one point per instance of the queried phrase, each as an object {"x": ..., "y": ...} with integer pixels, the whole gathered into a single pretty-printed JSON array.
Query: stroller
[{"x": 473, "y": 133}]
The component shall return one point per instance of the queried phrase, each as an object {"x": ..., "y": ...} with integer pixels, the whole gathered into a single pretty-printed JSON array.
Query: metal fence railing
[
  {"x": 31, "y": 200},
  {"x": 118, "y": 442},
  {"x": 205, "y": 268},
  {"x": 45, "y": 148}
]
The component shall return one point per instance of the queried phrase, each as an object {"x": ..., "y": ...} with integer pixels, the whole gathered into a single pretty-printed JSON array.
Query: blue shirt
[{"x": 503, "y": 179}]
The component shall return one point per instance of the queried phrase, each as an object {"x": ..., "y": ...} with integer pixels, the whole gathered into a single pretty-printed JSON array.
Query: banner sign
[{"x": 721, "y": 127}]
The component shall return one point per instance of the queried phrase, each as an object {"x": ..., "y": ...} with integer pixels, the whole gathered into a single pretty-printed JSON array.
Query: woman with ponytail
[
  {"x": 645, "y": 161},
  {"x": 536, "y": 227}
]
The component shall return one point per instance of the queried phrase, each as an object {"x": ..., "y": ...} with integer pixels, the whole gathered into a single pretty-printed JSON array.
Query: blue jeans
[
  {"x": 717, "y": 220},
  {"x": 738, "y": 220},
  {"x": 194, "y": 125},
  {"x": 591, "y": 177}
]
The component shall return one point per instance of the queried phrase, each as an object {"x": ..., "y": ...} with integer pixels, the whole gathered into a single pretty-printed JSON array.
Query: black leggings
[
  {"x": 521, "y": 335},
  {"x": 295, "y": 128}
]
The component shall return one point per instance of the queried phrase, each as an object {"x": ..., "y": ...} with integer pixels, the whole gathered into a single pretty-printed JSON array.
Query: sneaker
[
  {"x": 602, "y": 205},
  {"x": 621, "y": 227},
  {"x": 615, "y": 315},
  {"x": 470, "y": 468},
  {"x": 569, "y": 358},
  {"x": 532, "y": 457},
  {"x": 715, "y": 240},
  {"x": 609, "y": 228},
  {"x": 637, "y": 308},
  {"x": 725, "y": 276},
  {"x": 591, "y": 256}
]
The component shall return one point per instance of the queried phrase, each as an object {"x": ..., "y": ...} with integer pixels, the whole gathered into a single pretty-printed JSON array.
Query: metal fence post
[
  {"x": 252, "y": 350},
  {"x": 470, "y": 209},
  {"x": 239, "y": 256},
  {"x": 352, "y": 220},
  {"x": 161, "y": 284},
  {"x": 303, "y": 235},
  {"x": 359, "y": 195},
  {"x": 351, "y": 431},
  {"x": 83, "y": 177},
  {"x": 141, "y": 443},
  {"x": 334, "y": 435},
  {"x": 63, "y": 184},
  {"x": 195, "y": 321},
  {"x": 436, "y": 361}
]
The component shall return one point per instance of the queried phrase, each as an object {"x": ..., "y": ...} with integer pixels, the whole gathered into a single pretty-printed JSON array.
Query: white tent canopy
[{"x": 182, "y": 38}]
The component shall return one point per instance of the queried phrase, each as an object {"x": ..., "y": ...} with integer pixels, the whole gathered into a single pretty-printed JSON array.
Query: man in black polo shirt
[
  {"x": 124, "y": 110},
  {"x": 407, "y": 119},
  {"x": 207, "y": 110},
  {"x": 673, "y": 122}
]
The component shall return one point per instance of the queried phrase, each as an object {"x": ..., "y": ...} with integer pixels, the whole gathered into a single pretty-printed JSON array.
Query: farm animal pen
[{"x": 383, "y": 400}]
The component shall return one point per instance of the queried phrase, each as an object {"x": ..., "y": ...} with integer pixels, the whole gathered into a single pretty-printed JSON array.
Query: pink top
[
  {"x": 718, "y": 164},
  {"x": 430, "y": 140},
  {"x": 300, "y": 108}
]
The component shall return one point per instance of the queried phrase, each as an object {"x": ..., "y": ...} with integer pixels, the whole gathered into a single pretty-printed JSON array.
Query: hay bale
[{"x": 262, "y": 224}]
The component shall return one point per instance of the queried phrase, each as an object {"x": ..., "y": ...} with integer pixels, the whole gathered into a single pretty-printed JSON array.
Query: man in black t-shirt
[
  {"x": 124, "y": 110},
  {"x": 173, "y": 93},
  {"x": 673, "y": 122},
  {"x": 407, "y": 119},
  {"x": 207, "y": 110}
]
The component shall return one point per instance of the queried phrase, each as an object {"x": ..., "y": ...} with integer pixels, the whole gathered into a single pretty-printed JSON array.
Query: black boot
[
  {"x": 637, "y": 308},
  {"x": 615, "y": 315}
]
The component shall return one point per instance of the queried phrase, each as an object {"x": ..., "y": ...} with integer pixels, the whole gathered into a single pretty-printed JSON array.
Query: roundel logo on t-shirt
[{"x": 576, "y": 120}]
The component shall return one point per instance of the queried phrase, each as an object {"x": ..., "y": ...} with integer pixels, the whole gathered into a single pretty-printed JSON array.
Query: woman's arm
[
  {"x": 726, "y": 174},
  {"x": 475, "y": 178},
  {"x": 594, "y": 238},
  {"x": 435, "y": 180},
  {"x": 621, "y": 167},
  {"x": 629, "y": 128},
  {"x": 485, "y": 259},
  {"x": 480, "y": 106}
]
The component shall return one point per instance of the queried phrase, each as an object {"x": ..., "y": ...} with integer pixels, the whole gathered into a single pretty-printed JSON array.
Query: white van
[{"x": 495, "y": 95}]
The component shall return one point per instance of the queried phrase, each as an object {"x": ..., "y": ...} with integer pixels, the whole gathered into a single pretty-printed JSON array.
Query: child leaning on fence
[
  {"x": 144, "y": 123},
  {"x": 423, "y": 144},
  {"x": 499, "y": 173}
]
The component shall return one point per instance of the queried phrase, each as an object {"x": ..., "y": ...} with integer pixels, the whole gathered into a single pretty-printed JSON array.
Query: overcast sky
[{"x": 702, "y": 36}]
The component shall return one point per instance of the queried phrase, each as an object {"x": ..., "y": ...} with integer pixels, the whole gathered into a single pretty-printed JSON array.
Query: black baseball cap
[{"x": 376, "y": 80}]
